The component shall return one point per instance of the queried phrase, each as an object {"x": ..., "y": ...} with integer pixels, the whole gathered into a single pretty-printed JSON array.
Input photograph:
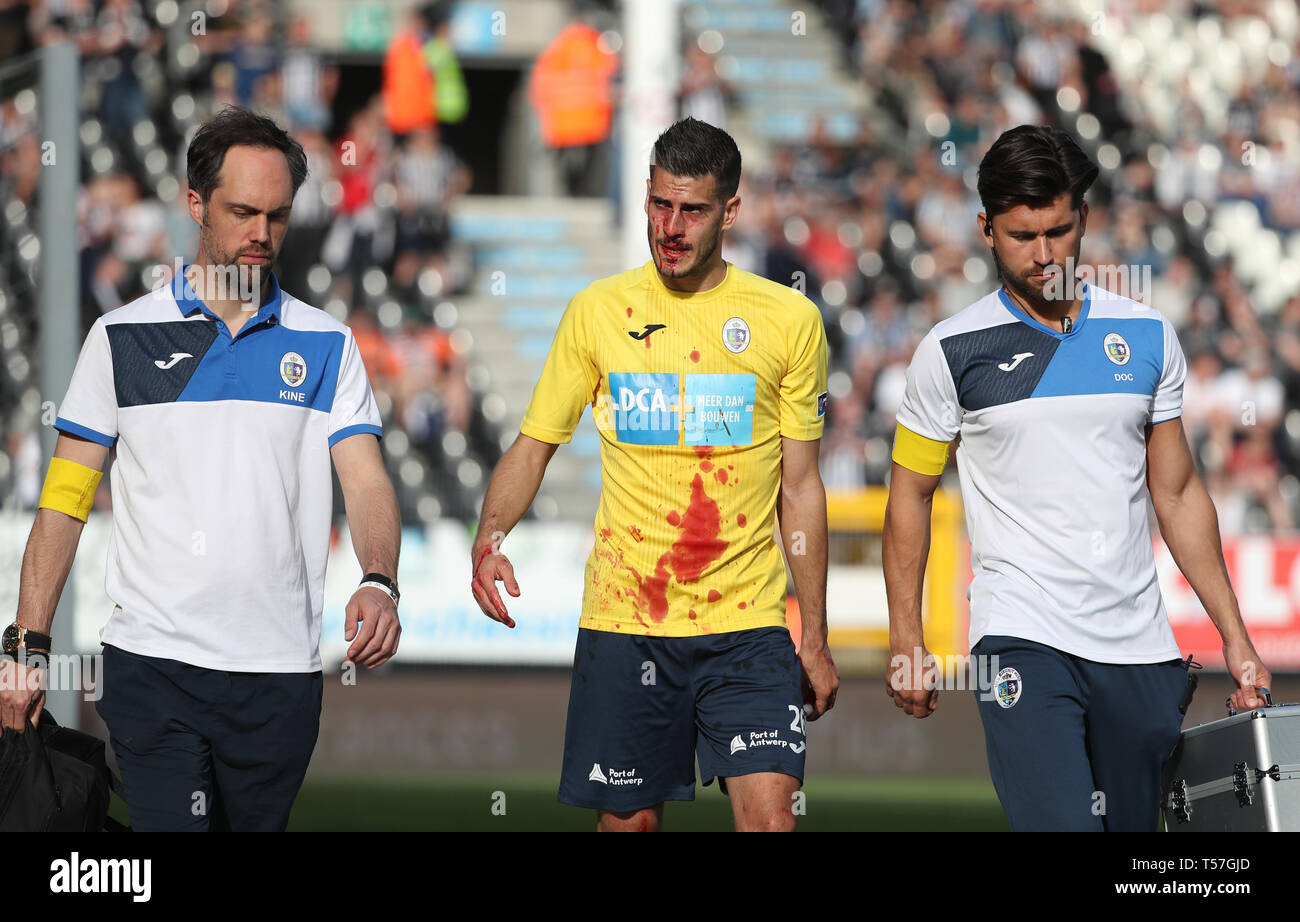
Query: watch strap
[{"x": 35, "y": 640}]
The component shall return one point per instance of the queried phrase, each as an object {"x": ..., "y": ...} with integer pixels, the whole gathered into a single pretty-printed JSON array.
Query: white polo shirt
[
  {"x": 222, "y": 492},
  {"x": 1053, "y": 466}
]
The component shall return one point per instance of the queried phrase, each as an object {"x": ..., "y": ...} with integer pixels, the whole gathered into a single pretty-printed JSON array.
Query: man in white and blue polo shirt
[
  {"x": 1067, "y": 401},
  {"x": 225, "y": 411}
]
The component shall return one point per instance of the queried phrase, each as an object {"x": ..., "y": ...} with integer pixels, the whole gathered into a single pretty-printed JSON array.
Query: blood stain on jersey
[
  {"x": 674, "y": 519},
  {"x": 636, "y": 532},
  {"x": 704, "y": 451},
  {"x": 695, "y": 355},
  {"x": 720, "y": 475},
  {"x": 714, "y": 595},
  {"x": 654, "y": 593},
  {"x": 699, "y": 544},
  {"x": 706, "y": 466},
  {"x": 740, "y": 519},
  {"x": 629, "y": 312},
  {"x": 691, "y": 614}
]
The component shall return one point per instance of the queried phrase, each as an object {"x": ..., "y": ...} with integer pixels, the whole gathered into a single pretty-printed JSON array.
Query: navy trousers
[
  {"x": 202, "y": 749},
  {"x": 1078, "y": 745}
]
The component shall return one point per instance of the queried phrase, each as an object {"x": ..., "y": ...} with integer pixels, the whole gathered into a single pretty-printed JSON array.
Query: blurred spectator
[
  {"x": 409, "y": 101},
  {"x": 350, "y": 248},
  {"x": 843, "y": 449},
  {"x": 429, "y": 178},
  {"x": 122, "y": 32},
  {"x": 312, "y": 214},
  {"x": 570, "y": 88},
  {"x": 431, "y": 396},
  {"x": 703, "y": 93},
  {"x": 451, "y": 96},
  {"x": 308, "y": 85},
  {"x": 256, "y": 54},
  {"x": 27, "y": 470}
]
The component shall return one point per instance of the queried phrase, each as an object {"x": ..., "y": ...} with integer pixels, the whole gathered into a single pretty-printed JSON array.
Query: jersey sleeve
[
  {"x": 930, "y": 407},
  {"x": 568, "y": 382},
  {"x": 803, "y": 387},
  {"x": 89, "y": 408},
  {"x": 354, "y": 410},
  {"x": 1167, "y": 402}
]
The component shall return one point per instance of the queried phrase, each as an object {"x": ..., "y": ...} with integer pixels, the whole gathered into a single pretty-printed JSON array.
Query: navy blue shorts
[
  {"x": 641, "y": 709},
  {"x": 202, "y": 749},
  {"x": 1077, "y": 745}
]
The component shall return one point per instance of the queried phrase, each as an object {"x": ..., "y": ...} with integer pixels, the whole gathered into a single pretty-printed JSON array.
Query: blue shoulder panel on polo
[
  {"x": 262, "y": 367},
  {"x": 1111, "y": 355}
]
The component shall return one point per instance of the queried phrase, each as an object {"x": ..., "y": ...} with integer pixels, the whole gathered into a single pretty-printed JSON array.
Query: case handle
[{"x": 1268, "y": 702}]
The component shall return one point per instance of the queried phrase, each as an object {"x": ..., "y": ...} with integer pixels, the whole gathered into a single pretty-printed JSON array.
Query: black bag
[{"x": 53, "y": 779}]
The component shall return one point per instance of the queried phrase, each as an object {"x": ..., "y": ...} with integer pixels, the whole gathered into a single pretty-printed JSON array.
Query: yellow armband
[
  {"x": 919, "y": 454},
  {"x": 69, "y": 488}
]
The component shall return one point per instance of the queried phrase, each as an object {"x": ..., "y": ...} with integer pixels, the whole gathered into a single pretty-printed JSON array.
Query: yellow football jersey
[{"x": 691, "y": 393}]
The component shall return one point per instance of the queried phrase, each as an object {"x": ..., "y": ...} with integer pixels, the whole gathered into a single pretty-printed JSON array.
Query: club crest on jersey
[
  {"x": 735, "y": 334},
  {"x": 1007, "y": 687},
  {"x": 1117, "y": 349},
  {"x": 293, "y": 369}
]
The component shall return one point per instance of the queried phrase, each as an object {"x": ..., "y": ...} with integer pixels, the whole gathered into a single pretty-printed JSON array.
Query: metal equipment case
[{"x": 1238, "y": 774}]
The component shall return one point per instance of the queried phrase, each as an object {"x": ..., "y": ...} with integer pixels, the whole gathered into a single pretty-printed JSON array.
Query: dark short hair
[
  {"x": 694, "y": 148},
  {"x": 1032, "y": 165},
  {"x": 235, "y": 126}
]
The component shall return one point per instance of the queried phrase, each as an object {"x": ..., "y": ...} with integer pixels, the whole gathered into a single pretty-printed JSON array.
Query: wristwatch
[
  {"x": 379, "y": 581},
  {"x": 16, "y": 636}
]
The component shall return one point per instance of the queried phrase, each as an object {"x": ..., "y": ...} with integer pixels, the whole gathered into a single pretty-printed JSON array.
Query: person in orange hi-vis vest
[
  {"x": 570, "y": 88},
  {"x": 408, "y": 83}
]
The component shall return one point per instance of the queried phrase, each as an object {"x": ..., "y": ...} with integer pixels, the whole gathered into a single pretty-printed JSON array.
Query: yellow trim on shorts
[
  {"x": 69, "y": 488},
  {"x": 917, "y": 453}
]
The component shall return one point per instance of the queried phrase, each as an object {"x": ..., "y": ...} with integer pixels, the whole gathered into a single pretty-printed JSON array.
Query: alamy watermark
[
  {"x": 1066, "y": 282},
  {"x": 235, "y": 282},
  {"x": 956, "y": 672},
  {"x": 57, "y": 672}
]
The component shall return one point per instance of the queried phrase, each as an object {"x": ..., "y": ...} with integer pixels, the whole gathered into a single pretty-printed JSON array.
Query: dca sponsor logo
[{"x": 646, "y": 407}]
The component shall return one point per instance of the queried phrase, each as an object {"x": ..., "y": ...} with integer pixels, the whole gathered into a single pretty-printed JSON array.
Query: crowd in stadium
[{"x": 880, "y": 232}]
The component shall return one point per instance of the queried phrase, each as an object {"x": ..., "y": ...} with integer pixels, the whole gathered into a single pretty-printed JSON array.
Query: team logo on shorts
[
  {"x": 737, "y": 744},
  {"x": 735, "y": 334},
  {"x": 1007, "y": 687},
  {"x": 293, "y": 369},
  {"x": 596, "y": 774},
  {"x": 1116, "y": 349}
]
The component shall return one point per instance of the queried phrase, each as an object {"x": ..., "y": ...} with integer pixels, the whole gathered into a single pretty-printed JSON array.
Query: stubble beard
[
  {"x": 697, "y": 266},
  {"x": 1032, "y": 294}
]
